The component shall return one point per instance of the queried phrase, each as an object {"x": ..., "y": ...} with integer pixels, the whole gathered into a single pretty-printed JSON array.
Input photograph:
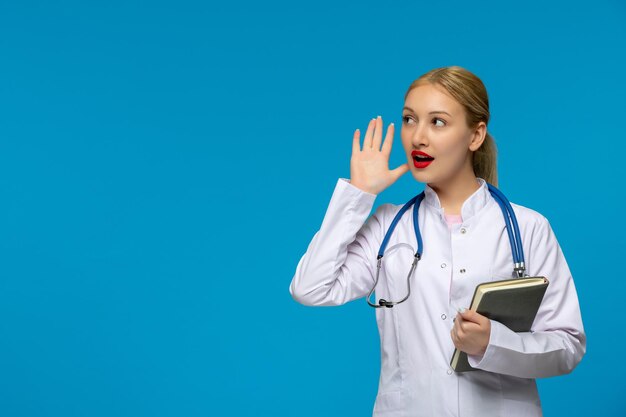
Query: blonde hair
[{"x": 470, "y": 92}]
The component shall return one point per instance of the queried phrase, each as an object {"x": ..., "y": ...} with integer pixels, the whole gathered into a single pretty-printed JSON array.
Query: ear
[{"x": 478, "y": 137}]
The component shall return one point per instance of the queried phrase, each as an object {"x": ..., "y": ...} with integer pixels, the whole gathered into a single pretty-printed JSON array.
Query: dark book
[{"x": 512, "y": 302}]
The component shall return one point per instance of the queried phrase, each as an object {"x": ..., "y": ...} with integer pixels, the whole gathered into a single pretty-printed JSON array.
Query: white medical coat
[{"x": 415, "y": 378}]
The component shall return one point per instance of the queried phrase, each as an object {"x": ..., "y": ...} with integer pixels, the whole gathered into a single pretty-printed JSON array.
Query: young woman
[{"x": 465, "y": 243}]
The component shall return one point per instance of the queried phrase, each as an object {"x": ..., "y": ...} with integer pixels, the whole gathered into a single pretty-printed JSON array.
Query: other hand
[{"x": 471, "y": 332}]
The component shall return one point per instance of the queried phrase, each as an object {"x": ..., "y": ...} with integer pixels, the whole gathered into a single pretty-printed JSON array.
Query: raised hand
[{"x": 369, "y": 167}]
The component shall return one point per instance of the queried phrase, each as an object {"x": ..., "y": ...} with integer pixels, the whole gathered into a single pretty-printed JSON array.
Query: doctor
[{"x": 465, "y": 242}]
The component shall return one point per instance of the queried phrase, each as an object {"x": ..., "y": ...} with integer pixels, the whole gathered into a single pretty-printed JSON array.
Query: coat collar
[{"x": 472, "y": 205}]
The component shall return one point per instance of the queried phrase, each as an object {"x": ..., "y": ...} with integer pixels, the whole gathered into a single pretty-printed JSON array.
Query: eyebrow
[{"x": 432, "y": 112}]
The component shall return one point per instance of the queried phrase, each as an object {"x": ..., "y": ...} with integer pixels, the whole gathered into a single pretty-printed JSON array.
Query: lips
[{"x": 421, "y": 159}]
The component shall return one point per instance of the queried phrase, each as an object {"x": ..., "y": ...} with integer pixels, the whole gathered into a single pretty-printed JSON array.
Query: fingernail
[
  {"x": 462, "y": 309},
  {"x": 378, "y": 117}
]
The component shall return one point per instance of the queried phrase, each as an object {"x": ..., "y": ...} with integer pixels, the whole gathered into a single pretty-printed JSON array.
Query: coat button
[
  {"x": 462, "y": 271},
  {"x": 443, "y": 317},
  {"x": 449, "y": 371},
  {"x": 463, "y": 230},
  {"x": 443, "y": 265}
]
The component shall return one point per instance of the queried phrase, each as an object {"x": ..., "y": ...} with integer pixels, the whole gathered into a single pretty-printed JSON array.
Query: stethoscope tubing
[
  {"x": 510, "y": 221},
  {"x": 517, "y": 248},
  {"x": 417, "y": 200}
]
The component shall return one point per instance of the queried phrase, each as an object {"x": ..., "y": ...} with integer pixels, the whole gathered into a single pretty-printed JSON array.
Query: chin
[
  {"x": 424, "y": 175},
  {"x": 421, "y": 176}
]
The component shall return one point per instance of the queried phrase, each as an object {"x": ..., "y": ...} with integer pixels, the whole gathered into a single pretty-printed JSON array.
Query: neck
[{"x": 453, "y": 193}]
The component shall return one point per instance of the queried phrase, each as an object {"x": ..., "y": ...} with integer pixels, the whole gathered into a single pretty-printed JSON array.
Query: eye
[
  {"x": 405, "y": 119},
  {"x": 443, "y": 121}
]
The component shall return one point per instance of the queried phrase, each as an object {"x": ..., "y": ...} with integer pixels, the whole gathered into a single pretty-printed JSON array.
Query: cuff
[{"x": 346, "y": 184}]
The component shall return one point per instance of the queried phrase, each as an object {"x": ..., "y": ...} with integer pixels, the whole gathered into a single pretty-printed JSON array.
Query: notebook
[{"x": 512, "y": 302}]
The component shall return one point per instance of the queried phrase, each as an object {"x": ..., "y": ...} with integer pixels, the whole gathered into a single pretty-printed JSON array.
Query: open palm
[{"x": 369, "y": 167}]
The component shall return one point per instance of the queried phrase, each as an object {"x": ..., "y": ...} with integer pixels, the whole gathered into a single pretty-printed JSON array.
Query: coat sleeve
[
  {"x": 339, "y": 264},
  {"x": 557, "y": 341}
]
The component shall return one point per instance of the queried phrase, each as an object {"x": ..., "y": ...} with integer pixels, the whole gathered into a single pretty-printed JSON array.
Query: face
[{"x": 434, "y": 123}]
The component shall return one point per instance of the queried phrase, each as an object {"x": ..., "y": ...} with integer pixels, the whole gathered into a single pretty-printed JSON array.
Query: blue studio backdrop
[{"x": 164, "y": 165}]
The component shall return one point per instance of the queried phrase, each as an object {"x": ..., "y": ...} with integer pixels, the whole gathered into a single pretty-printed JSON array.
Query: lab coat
[{"x": 415, "y": 377}]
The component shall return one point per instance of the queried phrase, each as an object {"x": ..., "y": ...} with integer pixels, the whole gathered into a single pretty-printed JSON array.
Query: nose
[{"x": 419, "y": 136}]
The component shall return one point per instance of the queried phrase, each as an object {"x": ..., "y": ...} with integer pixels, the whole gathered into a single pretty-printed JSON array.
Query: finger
[
  {"x": 454, "y": 338},
  {"x": 465, "y": 326},
  {"x": 388, "y": 139},
  {"x": 378, "y": 133},
  {"x": 367, "y": 141},
  {"x": 470, "y": 327},
  {"x": 356, "y": 147},
  {"x": 400, "y": 171},
  {"x": 457, "y": 324},
  {"x": 461, "y": 325}
]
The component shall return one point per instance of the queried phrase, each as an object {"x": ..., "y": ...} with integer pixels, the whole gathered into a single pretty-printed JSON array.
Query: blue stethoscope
[{"x": 513, "y": 232}]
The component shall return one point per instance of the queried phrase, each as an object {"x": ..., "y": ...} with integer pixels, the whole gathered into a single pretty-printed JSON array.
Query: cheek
[{"x": 454, "y": 150}]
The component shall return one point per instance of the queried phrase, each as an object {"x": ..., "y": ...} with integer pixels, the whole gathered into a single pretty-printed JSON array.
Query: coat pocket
[{"x": 389, "y": 403}]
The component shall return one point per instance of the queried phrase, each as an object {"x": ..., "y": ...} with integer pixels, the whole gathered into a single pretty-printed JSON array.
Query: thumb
[
  {"x": 470, "y": 315},
  {"x": 400, "y": 171}
]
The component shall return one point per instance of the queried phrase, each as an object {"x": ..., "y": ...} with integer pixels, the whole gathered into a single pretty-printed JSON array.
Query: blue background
[{"x": 163, "y": 166}]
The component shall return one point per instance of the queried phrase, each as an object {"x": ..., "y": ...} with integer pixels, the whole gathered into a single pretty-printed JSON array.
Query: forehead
[{"x": 428, "y": 97}]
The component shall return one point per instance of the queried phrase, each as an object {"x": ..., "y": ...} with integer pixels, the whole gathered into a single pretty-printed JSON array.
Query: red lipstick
[{"x": 421, "y": 159}]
